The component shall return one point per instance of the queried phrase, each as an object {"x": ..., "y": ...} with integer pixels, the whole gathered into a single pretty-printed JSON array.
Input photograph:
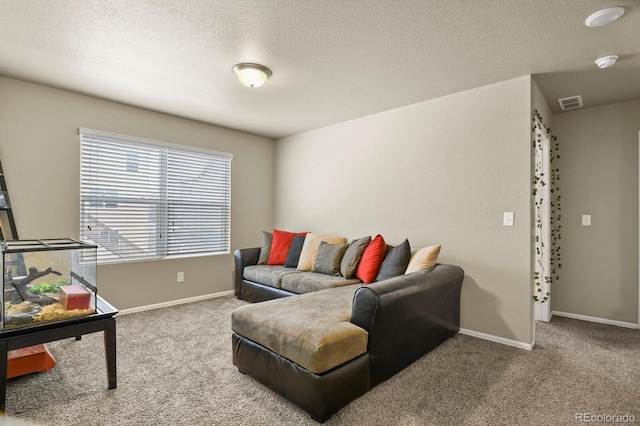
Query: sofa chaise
[{"x": 331, "y": 344}]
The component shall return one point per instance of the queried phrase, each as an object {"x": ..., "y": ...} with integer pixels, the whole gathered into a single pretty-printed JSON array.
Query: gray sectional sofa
[{"x": 322, "y": 341}]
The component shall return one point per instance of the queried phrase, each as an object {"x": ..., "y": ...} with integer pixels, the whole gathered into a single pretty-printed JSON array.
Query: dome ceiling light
[
  {"x": 252, "y": 75},
  {"x": 604, "y": 17}
]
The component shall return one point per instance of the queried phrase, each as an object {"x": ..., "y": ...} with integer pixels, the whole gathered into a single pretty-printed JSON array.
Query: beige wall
[
  {"x": 40, "y": 153},
  {"x": 599, "y": 176},
  {"x": 437, "y": 172}
]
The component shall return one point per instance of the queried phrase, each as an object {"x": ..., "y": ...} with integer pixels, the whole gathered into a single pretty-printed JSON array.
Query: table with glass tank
[{"x": 50, "y": 293}]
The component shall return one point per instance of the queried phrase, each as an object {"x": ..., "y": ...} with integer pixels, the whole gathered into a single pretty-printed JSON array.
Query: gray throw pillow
[
  {"x": 265, "y": 247},
  {"x": 352, "y": 256},
  {"x": 293, "y": 255},
  {"x": 395, "y": 262},
  {"x": 329, "y": 258}
]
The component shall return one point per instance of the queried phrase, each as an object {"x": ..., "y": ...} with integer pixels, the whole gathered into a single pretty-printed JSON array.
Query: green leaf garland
[{"x": 542, "y": 278}]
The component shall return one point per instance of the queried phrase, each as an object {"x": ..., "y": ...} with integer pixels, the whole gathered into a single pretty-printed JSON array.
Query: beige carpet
[{"x": 174, "y": 368}]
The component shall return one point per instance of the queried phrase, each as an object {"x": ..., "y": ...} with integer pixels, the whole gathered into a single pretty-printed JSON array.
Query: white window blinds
[{"x": 142, "y": 199}]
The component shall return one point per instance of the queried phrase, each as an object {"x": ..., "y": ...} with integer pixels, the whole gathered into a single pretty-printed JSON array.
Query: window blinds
[{"x": 142, "y": 199}]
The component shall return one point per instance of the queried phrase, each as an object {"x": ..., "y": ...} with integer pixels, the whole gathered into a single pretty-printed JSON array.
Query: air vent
[{"x": 571, "y": 102}]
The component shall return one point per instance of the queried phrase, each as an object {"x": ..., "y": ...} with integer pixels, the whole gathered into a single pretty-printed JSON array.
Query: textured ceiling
[{"x": 332, "y": 60}]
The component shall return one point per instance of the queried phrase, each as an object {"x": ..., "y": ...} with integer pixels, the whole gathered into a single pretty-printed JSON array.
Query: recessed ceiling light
[{"x": 604, "y": 17}]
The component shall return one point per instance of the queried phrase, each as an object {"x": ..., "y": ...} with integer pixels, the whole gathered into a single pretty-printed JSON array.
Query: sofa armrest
[
  {"x": 408, "y": 316},
  {"x": 242, "y": 258}
]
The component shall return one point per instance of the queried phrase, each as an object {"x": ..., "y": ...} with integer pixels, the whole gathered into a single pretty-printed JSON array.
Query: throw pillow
[
  {"x": 329, "y": 258},
  {"x": 293, "y": 256},
  {"x": 371, "y": 259},
  {"x": 423, "y": 259},
  {"x": 395, "y": 261},
  {"x": 280, "y": 247},
  {"x": 310, "y": 249},
  {"x": 265, "y": 247},
  {"x": 352, "y": 256}
]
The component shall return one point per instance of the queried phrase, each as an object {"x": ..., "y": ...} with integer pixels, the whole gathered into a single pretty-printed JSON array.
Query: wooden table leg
[
  {"x": 110, "y": 351},
  {"x": 3, "y": 373}
]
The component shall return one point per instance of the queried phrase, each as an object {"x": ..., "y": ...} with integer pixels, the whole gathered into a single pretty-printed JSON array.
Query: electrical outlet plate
[
  {"x": 180, "y": 277},
  {"x": 508, "y": 219}
]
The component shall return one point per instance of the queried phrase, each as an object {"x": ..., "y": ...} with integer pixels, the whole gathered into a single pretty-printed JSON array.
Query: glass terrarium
[{"x": 47, "y": 280}]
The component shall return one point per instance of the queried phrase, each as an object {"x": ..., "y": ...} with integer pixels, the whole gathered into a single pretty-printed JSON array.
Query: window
[{"x": 142, "y": 199}]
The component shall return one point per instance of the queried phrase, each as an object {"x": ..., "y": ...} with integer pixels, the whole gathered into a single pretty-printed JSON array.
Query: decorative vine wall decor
[{"x": 543, "y": 278}]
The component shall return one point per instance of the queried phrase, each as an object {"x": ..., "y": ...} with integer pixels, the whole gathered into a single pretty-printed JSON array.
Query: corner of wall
[{"x": 539, "y": 103}]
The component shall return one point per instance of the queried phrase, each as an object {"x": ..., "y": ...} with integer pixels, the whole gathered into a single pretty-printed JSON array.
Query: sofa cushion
[
  {"x": 423, "y": 259},
  {"x": 329, "y": 258},
  {"x": 352, "y": 256},
  {"x": 311, "y": 246},
  {"x": 313, "y": 330},
  {"x": 371, "y": 260},
  {"x": 265, "y": 247},
  {"x": 280, "y": 246},
  {"x": 293, "y": 256},
  {"x": 270, "y": 275},
  {"x": 395, "y": 261},
  {"x": 307, "y": 282}
]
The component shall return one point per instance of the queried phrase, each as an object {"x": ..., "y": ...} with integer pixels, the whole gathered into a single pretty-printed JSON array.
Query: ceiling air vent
[{"x": 571, "y": 102}]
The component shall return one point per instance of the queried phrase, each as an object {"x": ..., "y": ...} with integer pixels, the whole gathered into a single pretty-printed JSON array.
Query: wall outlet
[
  {"x": 507, "y": 219},
  {"x": 586, "y": 220},
  {"x": 180, "y": 277}
]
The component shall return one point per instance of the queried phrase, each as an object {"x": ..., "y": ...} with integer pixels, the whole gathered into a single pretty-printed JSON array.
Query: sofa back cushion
[
  {"x": 280, "y": 246},
  {"x": 293, "y": 256},
  {"x": 371, "y": 260},
  {"x": 352, "y": 257},
  {"x": 329, "y": 258},
  {"x": 424, "y": 258},
  {"x": 311, "y": 246},
  {"x": 265, "y": 248},
  {"x": 395, "y": 261}
]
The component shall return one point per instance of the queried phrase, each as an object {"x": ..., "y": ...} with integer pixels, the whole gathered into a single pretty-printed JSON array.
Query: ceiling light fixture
[
  {"x": 604, "y": 17},
  {"x": 252, "y": 75},
  {"x": 606, "y": 61}
]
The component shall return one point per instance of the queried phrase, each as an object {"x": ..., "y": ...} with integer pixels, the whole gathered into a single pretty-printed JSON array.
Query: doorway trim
[{"x": 543, "y": 310}]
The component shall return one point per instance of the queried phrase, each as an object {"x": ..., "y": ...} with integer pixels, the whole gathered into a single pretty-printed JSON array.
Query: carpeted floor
[{"x": 174, "y": 368}]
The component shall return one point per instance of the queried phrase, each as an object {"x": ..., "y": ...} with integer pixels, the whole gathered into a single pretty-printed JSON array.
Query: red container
[
  {"x": 29, "y": 360},
  {"x": 74, "y": 297}
]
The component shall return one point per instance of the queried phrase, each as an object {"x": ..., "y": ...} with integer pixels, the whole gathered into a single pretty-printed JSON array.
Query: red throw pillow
[
  {"x": 371, "y": 260},
  {"x": 280, "y": 246}
]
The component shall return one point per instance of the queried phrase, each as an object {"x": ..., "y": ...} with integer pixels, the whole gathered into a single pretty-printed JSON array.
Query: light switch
[
  {"x": 586, "y": 220},
  {"x": 507, "y": 219}
]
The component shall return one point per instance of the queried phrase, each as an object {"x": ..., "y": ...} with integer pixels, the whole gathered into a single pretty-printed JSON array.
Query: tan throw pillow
[
  {"x": 423, "y": 259},
  {"x": 310, "y": 249}
]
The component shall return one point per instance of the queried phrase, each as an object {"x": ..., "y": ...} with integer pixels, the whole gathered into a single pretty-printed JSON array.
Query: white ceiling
[{"x": 332, "y": 60}]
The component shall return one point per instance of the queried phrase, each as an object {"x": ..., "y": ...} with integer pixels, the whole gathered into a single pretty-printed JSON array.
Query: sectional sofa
[{"x": 335, "y": 339}]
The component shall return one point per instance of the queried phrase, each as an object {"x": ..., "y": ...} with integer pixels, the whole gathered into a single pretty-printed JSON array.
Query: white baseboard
[
  {"x": 501, "y": 340},
  {"x": 595, "y": 319},
  {"x": 175, "y": 302}
]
